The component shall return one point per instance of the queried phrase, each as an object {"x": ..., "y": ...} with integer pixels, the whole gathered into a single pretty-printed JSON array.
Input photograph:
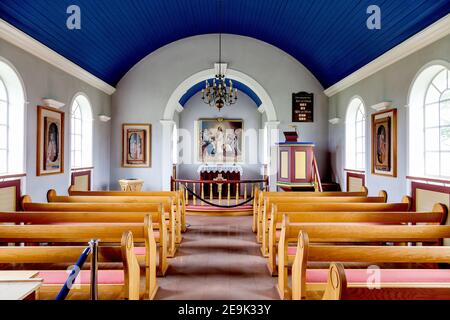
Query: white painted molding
[
  {"x": 53, "y": 103},
  {"x": 22, "y": 40},
  {"x": 436, "y": 31},
  {"x": 167, "y": 122},
  {"x": 261, "y": 108},
  {"x": 179, "y": 108},
  {"x": 104, "y": 118},
  {"x": 382, "y": 106},
  {"x": 173, "y": 102},
  {"x": 334, "y": 120}
]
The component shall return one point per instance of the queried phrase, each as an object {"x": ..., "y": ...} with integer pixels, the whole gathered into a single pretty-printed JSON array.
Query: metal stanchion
[{"x": 94, "y": 268}]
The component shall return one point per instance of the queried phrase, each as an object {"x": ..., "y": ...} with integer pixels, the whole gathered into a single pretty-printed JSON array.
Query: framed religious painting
[
  {"x": 50, "y": 141},
  {"x": 384, "y": 143},
  {"x": 220, "y": 141},
  {"x": 136, "y": 145}
]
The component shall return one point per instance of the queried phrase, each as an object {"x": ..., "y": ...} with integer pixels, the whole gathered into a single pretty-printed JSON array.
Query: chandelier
[{"x": 220, "y": 92}]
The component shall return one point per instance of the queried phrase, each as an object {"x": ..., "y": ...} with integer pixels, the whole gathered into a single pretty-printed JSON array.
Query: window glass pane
[
  {"x": 78, "y": 159},
  {"x": 3, "y": 161},
  {"x": 77, "y": 143},
  {"x": 445, "y": 139},
  {"x": 77, "y": 128},
  {"x": 441, "y": 80},
  {"x": 445, "y": 164},
  {"x": 360, "y": 161},
  {"x": 432, "y": 115},
  {"x": 72, "y": 160},
  {"x": 433, "y": 95},
  {"x": 360, "y": 144},
  {"x": 432, "y": 139},
  {"x": 3, "y": 113},
  {"x": 3, "y": 137},
  {"x": 432, "y": 163},
  {"x": 445, "y": 113}
]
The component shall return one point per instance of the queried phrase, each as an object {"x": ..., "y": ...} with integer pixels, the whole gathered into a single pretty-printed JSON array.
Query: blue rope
[{"x": 62, "y": 295}]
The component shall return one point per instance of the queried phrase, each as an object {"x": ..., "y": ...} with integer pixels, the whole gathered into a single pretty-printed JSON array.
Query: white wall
[
  {"x": 41, "y": 80},
  {"x": 143, "y": 92},
  {"x": 244, "y": 109},
  {"x": 390, "y": 84}
]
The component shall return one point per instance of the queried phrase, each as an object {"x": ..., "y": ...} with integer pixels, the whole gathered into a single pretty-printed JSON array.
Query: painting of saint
[
  {"x": 136, "y": 145},
  {"x": 384, "y": 141},
  {"x": 51, "y": 144}
]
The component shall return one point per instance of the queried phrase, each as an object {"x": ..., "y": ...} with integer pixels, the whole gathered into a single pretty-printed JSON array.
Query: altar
[{"x": 220, "y": 173}]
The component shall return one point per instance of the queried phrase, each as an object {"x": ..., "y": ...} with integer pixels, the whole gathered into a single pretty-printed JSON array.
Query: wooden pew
[
  {"x": 269, "y": 201},
  {"x": 258, "y": 201},
  {"x": 135, "y": 210},
  {"x": 178, "y": 195},
  {"x": 437, "y": 216},
  {"x": 82, "y": 233},
  {"x": 169, "y": 203},
  {"x": 128, "y": 289},
  {"x": 107, "y": 233},
  {"x": 356, "y": 234},
  {"x": 410, "y": 284}
]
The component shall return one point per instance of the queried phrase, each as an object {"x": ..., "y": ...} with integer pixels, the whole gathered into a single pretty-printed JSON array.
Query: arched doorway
[{"x": 173, "y": 105}]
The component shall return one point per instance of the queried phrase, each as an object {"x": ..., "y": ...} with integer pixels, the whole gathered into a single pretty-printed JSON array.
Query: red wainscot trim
[
  {"x": 13, "y": 183},
  {"x": 80, "y": 174},
  {"x": 355, "y": 174},
  {"x": 426, "y": 186}
]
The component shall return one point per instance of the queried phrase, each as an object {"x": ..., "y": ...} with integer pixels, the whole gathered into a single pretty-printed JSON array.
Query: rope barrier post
[
  {"x": 202, "y": 185},
  {"x": 93, "y": 244},
  {"x": 194, "y": 200}
]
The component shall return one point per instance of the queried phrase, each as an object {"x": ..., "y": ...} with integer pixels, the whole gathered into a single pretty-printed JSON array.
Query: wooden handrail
[
  {"x": 424, "y": 179},
  {"x": 317, "y": 174},
  {"x": 218, "y": 181}
]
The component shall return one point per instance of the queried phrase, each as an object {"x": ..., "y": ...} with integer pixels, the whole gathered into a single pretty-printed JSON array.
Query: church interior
[{"x": 224, "y": 150}]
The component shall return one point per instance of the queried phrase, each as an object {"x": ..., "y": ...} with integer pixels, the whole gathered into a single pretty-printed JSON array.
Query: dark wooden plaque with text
[{"x": 303, "y": 107}]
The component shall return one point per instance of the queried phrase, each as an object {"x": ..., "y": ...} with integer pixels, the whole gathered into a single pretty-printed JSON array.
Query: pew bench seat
[{"x": 59, "y": 277}]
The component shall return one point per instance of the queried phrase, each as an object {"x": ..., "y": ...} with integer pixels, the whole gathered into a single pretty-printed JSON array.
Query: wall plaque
[{"x": 303, "y": 107}]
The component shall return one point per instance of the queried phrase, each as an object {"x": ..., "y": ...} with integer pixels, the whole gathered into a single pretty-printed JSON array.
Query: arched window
[
  {"x": 429, "y": 123},
  {"x": 12, "y": 110},
  {"x": 81, "y": 132},
  {"x": 356, "y": 135}
]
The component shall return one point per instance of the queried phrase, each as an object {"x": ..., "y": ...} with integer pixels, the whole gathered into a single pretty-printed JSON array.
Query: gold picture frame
[
  {"x": 136, "y": 145},
  {"x": 384, "y": 143},
  {"x": 50, "y": 141}
]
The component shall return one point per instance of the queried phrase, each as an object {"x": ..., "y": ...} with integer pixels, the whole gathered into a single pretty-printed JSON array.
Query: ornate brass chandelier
[{"x": 220, "y": 92}]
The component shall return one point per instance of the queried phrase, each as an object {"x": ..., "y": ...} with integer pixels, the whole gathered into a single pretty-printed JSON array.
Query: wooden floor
[{"x": 218, "y": 259}]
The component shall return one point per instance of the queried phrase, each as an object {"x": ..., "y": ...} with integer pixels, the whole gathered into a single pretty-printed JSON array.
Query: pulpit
[
  {"x": 296, "y": 166},
  {"x": 220, "y": 173}
]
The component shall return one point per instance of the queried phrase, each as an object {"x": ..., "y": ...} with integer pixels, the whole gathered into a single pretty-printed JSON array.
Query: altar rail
[{"x": 225, "y": 191}]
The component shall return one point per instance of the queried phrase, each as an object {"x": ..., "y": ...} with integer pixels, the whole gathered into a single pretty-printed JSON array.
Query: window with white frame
[
  {"x": 12, "y": 118},
  {"x": 429, "y": 122},
  {"x": 81, "y": 133},
  {"x": 355, "y": 135}
]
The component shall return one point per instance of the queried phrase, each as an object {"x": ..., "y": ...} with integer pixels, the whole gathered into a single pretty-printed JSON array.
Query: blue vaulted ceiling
[{"x": 329, "y": 37}]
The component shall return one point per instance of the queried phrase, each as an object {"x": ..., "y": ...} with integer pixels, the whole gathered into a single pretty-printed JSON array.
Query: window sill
[
  {"x": 82, "y": 169},
  {"x": 427, "y": 179},
  {"x": 12, "y": 176},
  {"x": 355, "y": 171}
]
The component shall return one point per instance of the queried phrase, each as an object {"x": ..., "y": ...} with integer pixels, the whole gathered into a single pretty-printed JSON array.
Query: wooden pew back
[
  {"x": 370, "y": 254},
  {"x": 260, "y": 195},
  {"x": 437, "y": 216},
  {"x": 82, "y": 233},
  {"x": 64, "y": 254}
]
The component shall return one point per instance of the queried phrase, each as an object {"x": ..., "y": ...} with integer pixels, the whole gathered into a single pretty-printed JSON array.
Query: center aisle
[{"x": 218, "y": 259}]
